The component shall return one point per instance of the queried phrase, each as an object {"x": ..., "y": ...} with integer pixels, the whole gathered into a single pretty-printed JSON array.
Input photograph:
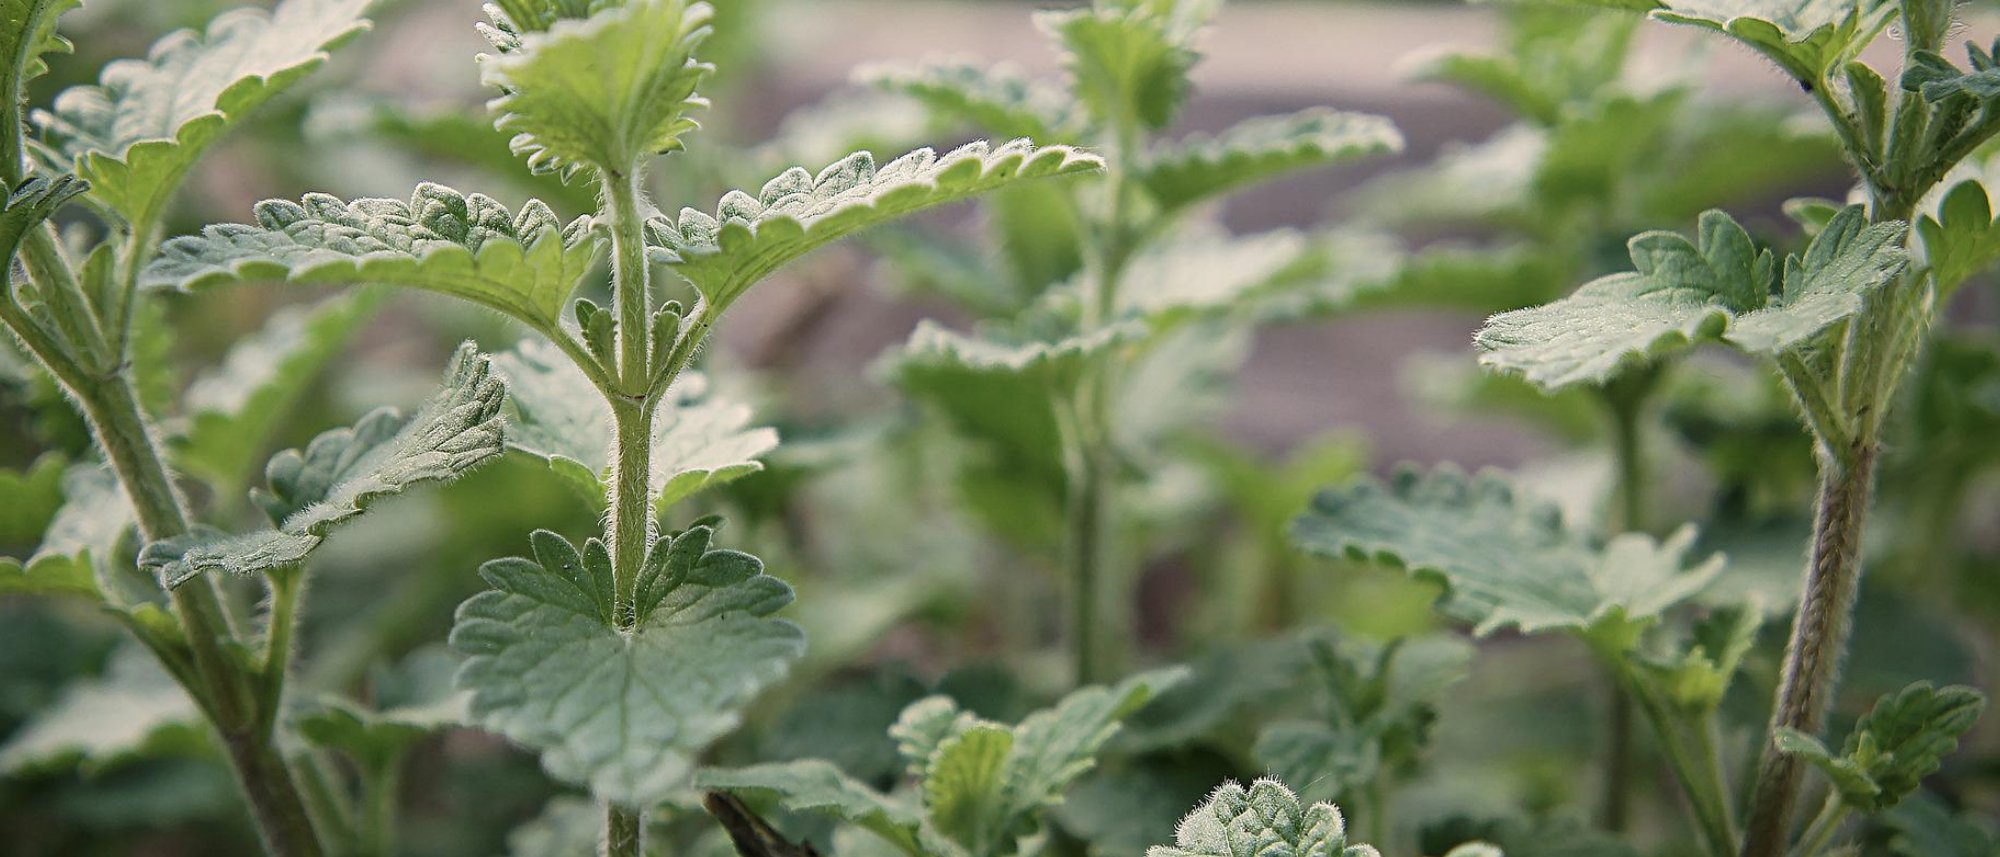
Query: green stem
[
  {"x": 1624, "y": 402},
  {"x": 1086, "y": 522},
  {"x": 1824, "y": 825},
  {"x": 383, "y": 788},
  {"x": 1709, "y": 804},
  {"x": 624, "y": 832},
  {"x": 630, "y": 275},
  {"x": 629, "y": 529},
  {"x": 1818, "y": 641}
]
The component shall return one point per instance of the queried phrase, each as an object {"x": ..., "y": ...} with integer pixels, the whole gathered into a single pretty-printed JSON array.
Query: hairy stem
[
  {"x": 1818, "y": 642},
  {"x": 624, "y": 832},
  {"x": 630, "y": 275},
  {"x": 227, "y": 693},
  {"x": 1710, "y": 804},
  {"x": 629, "y": 530},
  {"x": 1086, "y": 521}
]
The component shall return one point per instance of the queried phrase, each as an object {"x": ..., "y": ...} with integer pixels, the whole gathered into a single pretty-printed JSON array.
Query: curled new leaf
[
  {"x": 1128, "y": 62},
  {"x": 344, "y": 471},
  {"x": 602, "y": 91},
  {"x": 139, "y": 130},
  {"x": 699, "y": 440},
  {"x": 467, "y": 246},
  {"x": 1198, "y": 168},
  {"x": 1265, "y": 819},
  {"x": 1723, "y": 288},
  {"x": 624, "y": 711},
  {"x": 27, "y": 32},
  {"x": 1504, "y": 560},
  {"x": 748, "y": 237},
  {"x": 27, "y": 205}
]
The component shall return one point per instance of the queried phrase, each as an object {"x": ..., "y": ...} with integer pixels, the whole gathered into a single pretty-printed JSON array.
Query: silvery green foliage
[
  {"x": 1265, "y": 820},
  {"x": 1503, "y": 559},
  {"x": 133, "y": 711},
  {"x": 1898, "y": 743},
  {"x": 469, "y": 246},
  {"x": 983, "y": 786},
  {"x": 622, "y": 707},
  {"x": 1202, "y": 167},
  {"x": 748, "y": 237},
  {"x": 81, "y": 543},
  {"x": 142, "y": 127},
  {"x": 1721, "y": 288},
  {"x": 601, "y": 86},
  {"x": 344, "y": 471},
  {"x": 700, "y": 440}
]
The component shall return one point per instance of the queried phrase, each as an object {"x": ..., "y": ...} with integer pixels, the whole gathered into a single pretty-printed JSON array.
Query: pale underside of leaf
[
  {"x": 345, "y": 471},
  {"x": 81, "y": 541},
  {"x": 467, "y": 246},
  {"x": 136, "y": 133},
  {"x": 1255, "y": 150},
  {"x": 1001, "y": 100},
  {"x": 748, "y": 237},
  {"x": 1503, "y": 560},
  {"x": 700, "y": 441}
]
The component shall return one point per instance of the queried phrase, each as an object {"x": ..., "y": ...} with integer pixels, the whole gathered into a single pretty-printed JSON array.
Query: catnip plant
[
  {"x": 617, "y": 659},
  {"x": 1842, "y": 323},
  {"x": 1107, "y": 291}
]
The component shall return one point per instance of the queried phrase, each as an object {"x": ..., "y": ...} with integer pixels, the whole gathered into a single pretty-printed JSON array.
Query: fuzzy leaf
[
  {"x": 471, "y": 247},
  {"x": 1198, "y": 168},
  {"x": 1895, "y": 745},
  {"x": 1697, "y": 676},
  {"x": 1502, "y": 559},
  {"x": 1202, "y": 275},
  {"x": 624, "y": 712},
  {"x": 985, "y": 784},
  {"x": 234, "y": 408},
  {"x": 815, "y": 785},
  {"x": 1264, "y": 821},
  {"x": 81, "y": 541},
  {"x": 1806, "y": 38},
  {"x": 603, "y": 91},
  {"x": 27, "y": 32},
  {"x": 345, "y": 471},
  {"x": 751, "y": 236},
  {"x": 412, "y": 700},
  {"x": 146, "y": 122},
  {"x": 699, "y": 441},
  {"x": 29, "y": 498},
  {"x": 997, "y": 388},
  {"x": 1962, "y": 238},
  {"x": 27, "y": 205},
  {"x": 999, "y": 100},
  {"x": 1128, "y": 63},
  {"x": 134, "y": 710},
  {"x": 1723, "y": 289}
]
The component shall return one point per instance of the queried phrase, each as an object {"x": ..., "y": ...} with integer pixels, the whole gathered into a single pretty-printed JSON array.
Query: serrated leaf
[
  {"x": 345, "y": 471},
  {"x": 27, "y": 205},
  {"x": 233, "y": 409},
  {"x": 624, "y": 712},
  {"x": 1267, "y": 819},
  {"x": 138, "y": 131},
  {"x": 134, "y": 710},
  {"x": 996, "y": 387},
  {"x": 1806, "y": 38},
  {"x": 1898, "y": 743},
  {"x": 1723, "y": 289},
  {"x": 749, "y": 237},
  {"x": 1962, "y": 238},
  {"x": 27, "y": 33},
  {"x": 81, "y": 541},
  {"x": 699, "y": 441},
  {"x": 1202, "y": 275},
  {"x": 1936, "y": 79},
  {"x": 1001, "y": 100},
  {"x": 471, "y": 247},
  {"x": 1504, "y": 560},
  {"x": 603, "y": 91},
  {"x": 815, "y": 785},
  {"x": 1187, "y": 171},
  {"x": 412, "y": 700},
  {"x": 985, "y": 784},
  {"x": 1128, "y": 63}
]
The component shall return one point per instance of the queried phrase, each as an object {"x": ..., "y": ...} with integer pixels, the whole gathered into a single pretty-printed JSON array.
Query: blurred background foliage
[{"x": 1533, "y": 153}]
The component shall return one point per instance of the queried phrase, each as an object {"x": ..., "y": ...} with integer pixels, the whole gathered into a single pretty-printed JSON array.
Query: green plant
[{"x": 650, "y": 627}]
